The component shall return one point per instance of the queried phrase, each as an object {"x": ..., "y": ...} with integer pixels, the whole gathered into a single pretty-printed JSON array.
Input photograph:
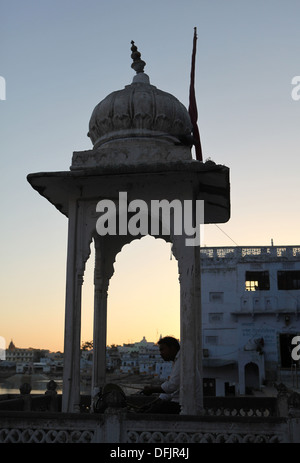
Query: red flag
[{"x": 193, "y": 105}]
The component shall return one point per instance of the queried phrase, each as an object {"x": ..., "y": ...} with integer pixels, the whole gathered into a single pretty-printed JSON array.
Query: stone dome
[{"x": 140, "y": 110}]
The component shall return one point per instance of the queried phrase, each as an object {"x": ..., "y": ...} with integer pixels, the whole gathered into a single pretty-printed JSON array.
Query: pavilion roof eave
[{"x": 211, "y": 181}]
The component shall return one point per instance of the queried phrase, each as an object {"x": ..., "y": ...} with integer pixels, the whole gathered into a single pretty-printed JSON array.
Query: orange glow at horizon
[
  {"x": 143, "y": 295},
  {"x": 143, "y": 301}
]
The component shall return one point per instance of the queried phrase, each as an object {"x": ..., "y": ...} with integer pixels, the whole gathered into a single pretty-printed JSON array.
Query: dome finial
[{"x": 138, "y": 64}]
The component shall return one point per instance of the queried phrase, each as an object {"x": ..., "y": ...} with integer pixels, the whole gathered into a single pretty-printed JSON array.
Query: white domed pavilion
[{"x": 142, "y": 140}]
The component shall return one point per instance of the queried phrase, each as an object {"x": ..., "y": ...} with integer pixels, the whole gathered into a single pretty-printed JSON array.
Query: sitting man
[{"x": 168, "y": 401}]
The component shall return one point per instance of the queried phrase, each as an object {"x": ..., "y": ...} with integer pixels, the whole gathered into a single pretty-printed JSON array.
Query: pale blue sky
[{"x": 60, "y": 58}]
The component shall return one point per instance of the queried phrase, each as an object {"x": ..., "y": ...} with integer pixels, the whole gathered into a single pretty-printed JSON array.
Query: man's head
[{"x": 168, "y": 347}]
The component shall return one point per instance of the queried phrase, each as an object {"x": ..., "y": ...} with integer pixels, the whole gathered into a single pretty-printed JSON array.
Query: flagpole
[{"x": 192, "y": 103}]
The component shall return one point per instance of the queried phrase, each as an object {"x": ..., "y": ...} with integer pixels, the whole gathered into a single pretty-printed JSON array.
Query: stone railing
[
  {"x": 224, "y": 419},
  {"x": 249, "y": 253},
  {"x": 47, "y": 427},
  {"x": 116, "y": 426},
  {"x": 247, "y": 407},
  {"x": 213, "y": 406},
  {"x": 187, "y": 430}
]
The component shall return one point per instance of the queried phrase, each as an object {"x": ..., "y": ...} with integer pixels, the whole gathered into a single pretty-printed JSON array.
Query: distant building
[
  {"x": 137, "y": 358},
  {"x": 29, "y": 360},
  {"x": 113, "y": 358},
  {"x": 251, "y": 312},
  {"x": 17, "y": 355},
  {"x": 163, "y": 369}
]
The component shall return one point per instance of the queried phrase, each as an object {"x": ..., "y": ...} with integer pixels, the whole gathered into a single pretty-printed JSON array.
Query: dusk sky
[{"x": 59, "y": 59}]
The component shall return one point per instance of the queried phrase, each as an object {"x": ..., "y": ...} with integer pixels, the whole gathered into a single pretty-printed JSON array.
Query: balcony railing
[
  {"x": 224, "y": 419},
  {"x": 115, "y": 426},
  {"x": 249, "y": 253}
]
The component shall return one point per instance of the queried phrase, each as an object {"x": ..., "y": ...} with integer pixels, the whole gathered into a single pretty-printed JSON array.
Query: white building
[
  {"x": 18, "y": 355},
  {"x": 140, "y": 357},
  {"x": 251, "y": 305},
  {"x": 33, "y": 367},
  {"x": 163, "y": 369}
]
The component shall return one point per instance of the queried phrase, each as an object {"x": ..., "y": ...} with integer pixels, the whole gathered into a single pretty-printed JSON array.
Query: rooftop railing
[{"x": 250, "y": 253}]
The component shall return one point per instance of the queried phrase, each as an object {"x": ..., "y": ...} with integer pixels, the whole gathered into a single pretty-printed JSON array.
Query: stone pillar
[
  {"x": 78, "y": 251},
  {"x": 198, "y": 326},
  {"x": 191, "y": 393},
  {"x": 101, "y": 282}
]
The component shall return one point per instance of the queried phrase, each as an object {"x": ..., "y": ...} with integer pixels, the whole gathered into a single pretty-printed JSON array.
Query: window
[
  {"x": 216, "y": 297},
  {"x": 257, "y": 281},
  {"x": 215, "y": 317},
  {"x": 288, "y": 279},
  {"x": 212, "y": 340}
]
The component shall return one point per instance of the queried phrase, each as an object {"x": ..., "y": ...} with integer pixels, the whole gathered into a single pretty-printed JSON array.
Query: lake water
[{"x": 38, "y": 383}]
